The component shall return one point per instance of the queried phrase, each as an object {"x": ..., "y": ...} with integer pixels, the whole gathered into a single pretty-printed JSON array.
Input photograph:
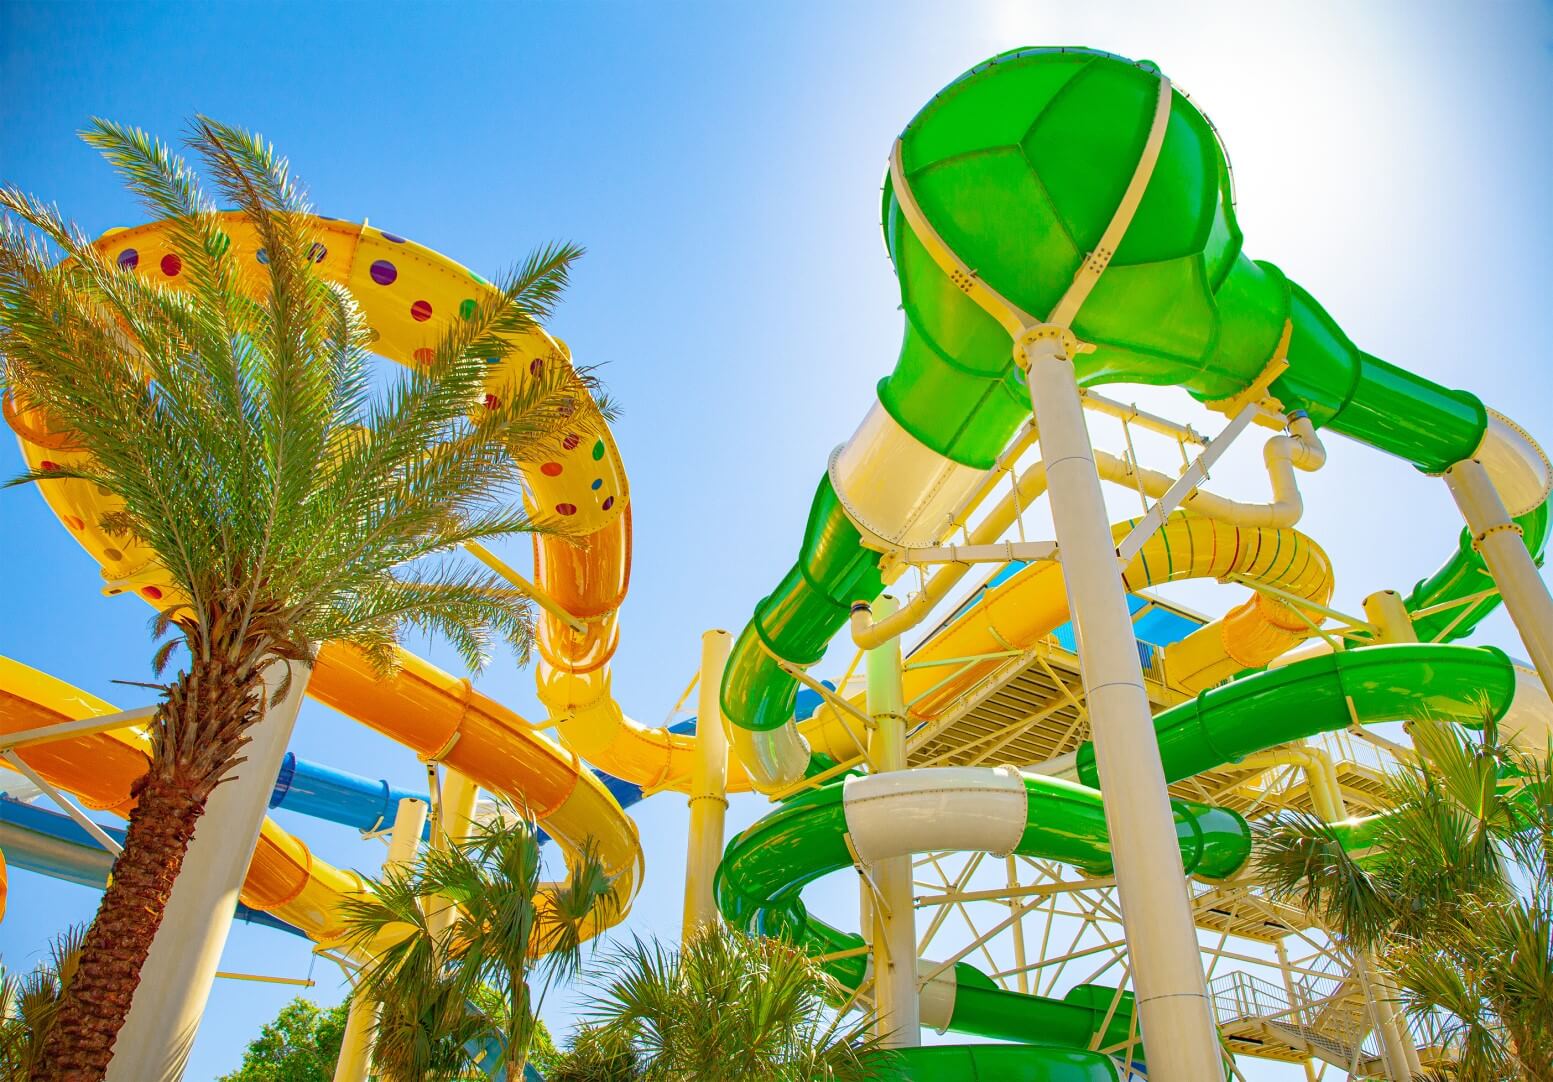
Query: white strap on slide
[{"x": 1013, "y": 318}]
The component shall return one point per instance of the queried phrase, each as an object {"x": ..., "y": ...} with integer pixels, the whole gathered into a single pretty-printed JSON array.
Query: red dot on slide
[
  {"x": 566, "y": 508},
  {"x": 551, "y": 469},
  {"x": 171, "y": 265},
  {"x": 152, "y": 592},
  {"x": 420, "y": 311}
]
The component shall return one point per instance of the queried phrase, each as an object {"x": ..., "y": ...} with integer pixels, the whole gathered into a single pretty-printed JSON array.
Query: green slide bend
[
  {"x": 765, "y": 869},
  {"x": 1019, "y": 165}
]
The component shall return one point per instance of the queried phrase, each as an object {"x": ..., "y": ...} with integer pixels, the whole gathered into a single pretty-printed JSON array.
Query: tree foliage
[
  {"x": 285, "y": 494},
  {"x": 300, "y": 1045},
  {"x": 725, "y": 1007},
  {"x": 29, "y": 1003},
  {"x": 1451, "y": 891},
  {"x": 447, "y": 997}
]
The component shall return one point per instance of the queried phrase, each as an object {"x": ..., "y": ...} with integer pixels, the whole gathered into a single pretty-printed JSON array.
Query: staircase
[{"x": 1327, "y": 1019}]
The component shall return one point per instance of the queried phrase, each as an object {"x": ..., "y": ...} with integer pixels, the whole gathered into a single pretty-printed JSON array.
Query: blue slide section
[{"x": 51, "y": 843}]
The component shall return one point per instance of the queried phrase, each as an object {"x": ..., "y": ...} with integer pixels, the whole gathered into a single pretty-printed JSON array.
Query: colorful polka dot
[
  {"x": 493, "y": 360},
  {"x": 598, "y": 483},
  {"x": 536, "y": 366},
  {"x": 566, "y": 508},
  {"x": 420, "y": 311},
  {"x": 75, "y": 523},
  {"x": 317, "y": 252},
  {"x": 48, "y": 467},
  {"x": 492, "y": 401},
  {"x": 467, "y": 309},
  {"x": 262, "y": 256},
  {"x": 152, "y": 592},
  {"x": 129, "y": 259},
  {"x": 113, "y": 554},
  {"x": 172, "y": 266},
  {"x": 571, "y": 442},
  {"x": 222, "y": 243},
  {"x": 393, "y": 238},
  {"x": 551, "y": 469},
  {"x": 607, "y": 504},
  {"x": 425, "y": 356},
  {"x": 598, "y": 450},
  {"x": 383, "y": 272}
]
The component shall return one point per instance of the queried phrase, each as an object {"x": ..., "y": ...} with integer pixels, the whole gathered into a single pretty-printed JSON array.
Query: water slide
[
  {"x": 1059, "y": 815},
  {"x": 1018, "y": 166},
  {"x": 1002, "y": 186},
  {"x": 408, "y": 293}
]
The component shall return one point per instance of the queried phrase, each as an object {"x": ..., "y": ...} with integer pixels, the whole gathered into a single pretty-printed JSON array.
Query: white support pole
[
  {"x": 898, "y": 1008},
  {"x": 175, "y": 981},
  {"x": 356, "y": 1043},
  {"x": 1498, "y": 538},
  {"x": 708, "y": 787},
  {"x": 1172, "y": 996}
]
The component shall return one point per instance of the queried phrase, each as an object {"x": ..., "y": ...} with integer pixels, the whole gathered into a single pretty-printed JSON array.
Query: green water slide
[
  {"x": 1062, "y": 818},
  {"x": 1019, "y": 165}
]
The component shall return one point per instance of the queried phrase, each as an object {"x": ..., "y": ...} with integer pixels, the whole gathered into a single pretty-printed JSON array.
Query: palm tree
[
  {"x": 29, "y": 1006},
  {"x": 443, "y": 995},
  {"x": 288, "y": 502},
  {"x": 725, "y": 1007},
  {"x": 1450, "y": 891}
]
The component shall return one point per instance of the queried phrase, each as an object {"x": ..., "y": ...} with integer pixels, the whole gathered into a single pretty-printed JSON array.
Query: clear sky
[{"x": 722, "y": 165}]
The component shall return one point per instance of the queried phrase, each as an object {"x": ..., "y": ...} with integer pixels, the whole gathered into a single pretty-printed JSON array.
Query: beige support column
[
  {"x": 1499, "y": 539},
  {"x": 356, "y": 1044},
  {"x": 1392, "y": 623},
  {"x": 456, "y": 813},
  {"x": 1298, "y": 1018},
  {"x": 898, "y": 1007},
  {"x": 708, "y": 787},
  {"x": 1176, "y": 1017},
  {"x": 175, "y": 981}
]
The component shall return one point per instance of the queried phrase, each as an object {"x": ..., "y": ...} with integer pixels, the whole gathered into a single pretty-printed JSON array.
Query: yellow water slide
[
  {"x": 407, "y": 293},
  {"x": 1027, "y": 607}
]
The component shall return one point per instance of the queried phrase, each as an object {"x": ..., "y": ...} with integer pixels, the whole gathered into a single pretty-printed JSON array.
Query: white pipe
[
  {"x": 1300, "y": 449},
  {"x": 708, "y": 788},
  {"x": 1172, "y": 996},
  {"x": 1499, "y": 539},
  {"x": 898, "y": 1010},
  {"x": 175, "y": 981},
  {"x": 356, "y": 1043}
]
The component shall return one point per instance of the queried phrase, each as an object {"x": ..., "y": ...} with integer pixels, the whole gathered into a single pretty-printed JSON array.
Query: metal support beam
[
  {"x": 356, "y": 1043},
  {"x": 1175, "y": 1014},
  {"x": 1499, "y": 539},
  {"x": 708, "y": 788},
  {"x": 898, "y": 1010},
  {"x": 69, "y": 730}
]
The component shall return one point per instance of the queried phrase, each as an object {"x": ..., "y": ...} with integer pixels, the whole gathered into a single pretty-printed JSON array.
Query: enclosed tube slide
[
  {"x": 407, "y": 294},
  {"x": 1019, "y": 166}
]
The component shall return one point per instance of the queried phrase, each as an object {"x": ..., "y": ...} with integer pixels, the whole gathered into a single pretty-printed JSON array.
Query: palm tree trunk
[
  {"x": 197, "y": 735},
  {"x": 80, "y": 1043}
]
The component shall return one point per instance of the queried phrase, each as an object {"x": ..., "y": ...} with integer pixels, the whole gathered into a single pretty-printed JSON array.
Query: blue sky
[{"x": 722, "y": 165}]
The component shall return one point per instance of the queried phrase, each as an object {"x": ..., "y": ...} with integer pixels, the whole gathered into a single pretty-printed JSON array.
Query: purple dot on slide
[
  {"x": 384, "y": 272},
  {"x": 394, "y": 237},
  {"x": 129, "y": 259}
]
